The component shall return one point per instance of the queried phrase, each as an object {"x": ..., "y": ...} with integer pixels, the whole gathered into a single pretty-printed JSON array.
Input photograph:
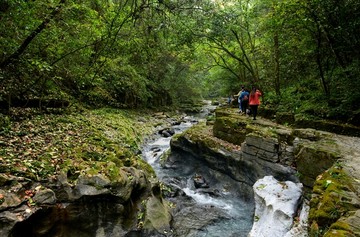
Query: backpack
[{"x": 245, "y": 97}]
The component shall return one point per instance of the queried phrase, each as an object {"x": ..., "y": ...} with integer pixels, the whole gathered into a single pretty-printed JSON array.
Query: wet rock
[
  {"x": 211, "y": 192},
  {"x": 155, "y": 149},
  {"x": 167, "y": 132},
  {"x": 200, "y": 182},
  {"x": 191, "y": 219},
  {"x": 231, "y": 162},
  {"x": 157, "y": 213},
  {"x": 173, "y": 188},
  {"x": 175, "y": 123}
]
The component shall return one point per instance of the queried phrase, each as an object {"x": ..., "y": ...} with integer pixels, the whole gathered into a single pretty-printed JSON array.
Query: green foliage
[
  {"x": 100, "y": 53},
  {"x": 160, "y": 53}
]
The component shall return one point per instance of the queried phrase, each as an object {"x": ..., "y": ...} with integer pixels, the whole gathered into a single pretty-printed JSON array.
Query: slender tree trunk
[
  {"x": 13, "y": 57},
  {"x": 277, "y": 64},
  {"x": 318, "y": 61}
]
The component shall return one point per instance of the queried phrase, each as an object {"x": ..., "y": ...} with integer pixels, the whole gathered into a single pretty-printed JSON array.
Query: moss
[
  {"x": 339, "y": 225},
  {"x": 230, "y": 129},
  {"x": 44, "y": 145},
  {"x": 329, "y": 201},
  {"x": 143, "y": 165},
  {"x": 263, "y": 132},
  {"x": 314, "y": 230},
  {"x": 338, "y": 233},
  {"x": 201, "y": 134},
  {"x": 113, "y": 172}
]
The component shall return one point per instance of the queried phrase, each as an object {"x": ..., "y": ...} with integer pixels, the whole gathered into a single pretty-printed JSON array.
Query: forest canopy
[{"x": 303, "y": 54}]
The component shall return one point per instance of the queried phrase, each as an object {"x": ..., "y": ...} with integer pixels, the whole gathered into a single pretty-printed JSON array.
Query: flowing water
[{"x": 221, "y": 209}]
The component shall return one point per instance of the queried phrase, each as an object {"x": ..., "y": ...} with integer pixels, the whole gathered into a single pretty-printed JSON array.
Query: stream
[{"x": 206, "y": 203}]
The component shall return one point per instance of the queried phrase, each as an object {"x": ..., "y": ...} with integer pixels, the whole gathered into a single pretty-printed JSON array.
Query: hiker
[
  {"x": 239, "y": 100},
  {"x": 244, "y": 99},
  {"x": 254, "y": 101}
]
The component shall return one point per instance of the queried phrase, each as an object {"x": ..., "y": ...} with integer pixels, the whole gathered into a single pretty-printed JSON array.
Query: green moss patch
[
  {"x": 42, "y": 146},
  {"x": 331, "y": 201},
  {"x": 202, "y": 134}
]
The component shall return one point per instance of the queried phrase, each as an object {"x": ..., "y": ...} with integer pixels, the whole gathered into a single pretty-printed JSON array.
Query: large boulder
[
  {"x": 157, "y": 212},
  {"x": 315, "y": 152},
  {"x": 276, "y": 204},
  {"x": 92, "y": 205},
  {"x": 230, "y": 129}
]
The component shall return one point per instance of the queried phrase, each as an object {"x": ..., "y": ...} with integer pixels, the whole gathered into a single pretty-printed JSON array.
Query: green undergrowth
[{"x": 41, "y": 146}]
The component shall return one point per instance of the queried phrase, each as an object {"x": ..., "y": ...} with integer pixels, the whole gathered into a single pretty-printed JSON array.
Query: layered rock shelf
[
  {"x": 326, "y": 164},
  {"x": 93, "y": 205}
]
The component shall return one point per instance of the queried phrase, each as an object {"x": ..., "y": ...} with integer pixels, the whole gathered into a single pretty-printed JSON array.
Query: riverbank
[
  {"x": 78, "y": 166},
  {"x": 40, "y": 146}
]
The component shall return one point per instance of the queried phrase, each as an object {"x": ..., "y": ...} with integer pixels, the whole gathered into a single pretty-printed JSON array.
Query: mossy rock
[
  {"x": 313, "y": 158},
  {"x": 225, "y": 112},
  {"x": 200, "y": 134},
  {"x": 230, "y": 129},
  {"x": 334, "y": 203},
  {"x": 311, "y": 134},
  {"x": 339, "y": 229}
]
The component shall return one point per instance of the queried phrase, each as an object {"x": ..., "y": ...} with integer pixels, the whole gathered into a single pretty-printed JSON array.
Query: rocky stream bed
[{"x": 228, "y": 177}]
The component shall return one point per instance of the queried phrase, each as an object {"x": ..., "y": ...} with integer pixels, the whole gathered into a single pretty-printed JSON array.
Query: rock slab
[{"x": 276, "y": 204}]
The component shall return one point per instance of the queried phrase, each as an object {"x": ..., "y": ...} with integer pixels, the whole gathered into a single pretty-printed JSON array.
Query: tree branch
[{"x": 13, "y": 57}]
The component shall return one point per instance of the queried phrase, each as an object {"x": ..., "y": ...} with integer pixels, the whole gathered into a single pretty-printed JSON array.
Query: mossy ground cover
[{"x": 39, "y": 146}]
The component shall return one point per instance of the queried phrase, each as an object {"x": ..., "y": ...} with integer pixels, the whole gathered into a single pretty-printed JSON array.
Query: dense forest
[{"x": 303, "y": 54}]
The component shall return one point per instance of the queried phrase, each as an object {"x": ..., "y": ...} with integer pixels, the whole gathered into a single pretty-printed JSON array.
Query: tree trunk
[
  {"x": 318, "y": 61},
  {"x": 13, "y": 57},
  {"x": 277, "y": 64}
]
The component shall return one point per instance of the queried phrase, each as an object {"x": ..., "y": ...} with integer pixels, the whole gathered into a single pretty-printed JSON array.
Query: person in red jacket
[{"x": 254, "y": 101}]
